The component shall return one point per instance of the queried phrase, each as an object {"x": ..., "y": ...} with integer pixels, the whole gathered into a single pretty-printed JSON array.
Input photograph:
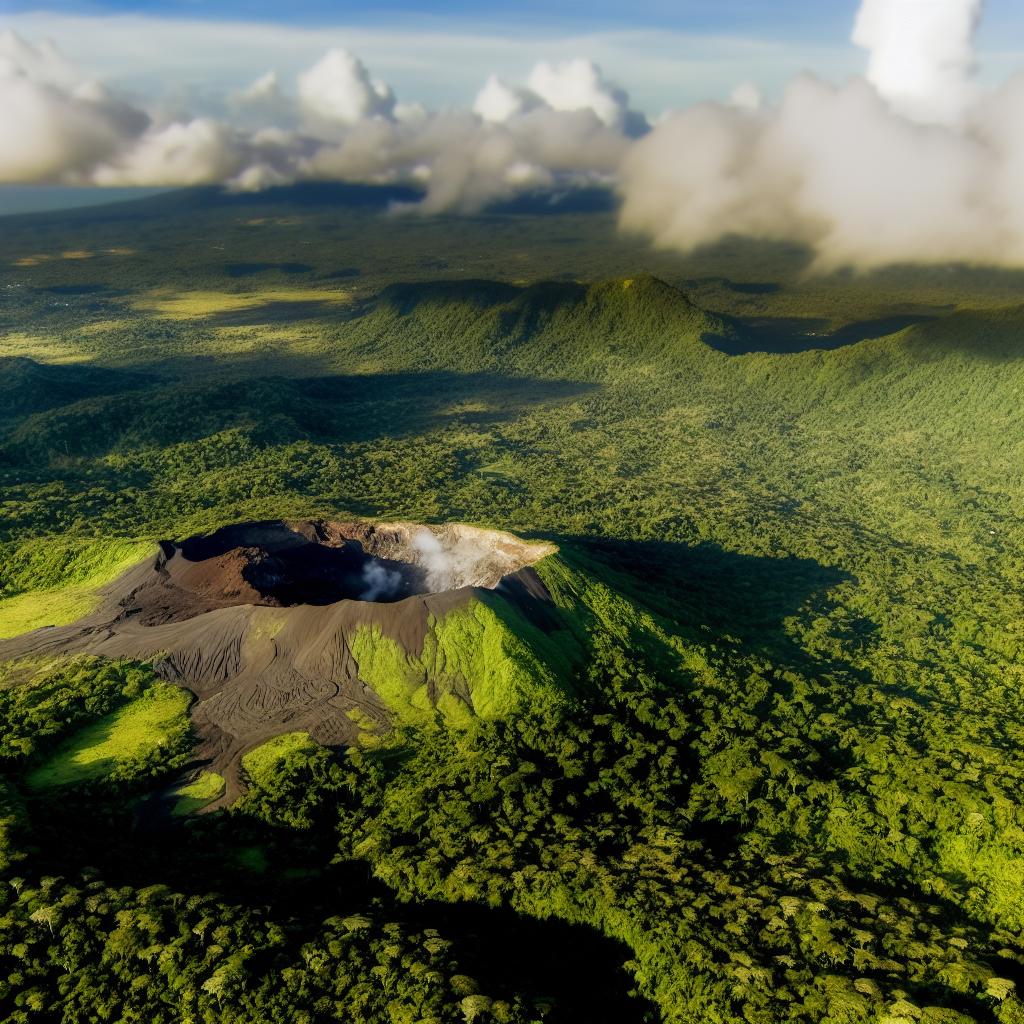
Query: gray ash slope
[{"x": 258, "y": 621}]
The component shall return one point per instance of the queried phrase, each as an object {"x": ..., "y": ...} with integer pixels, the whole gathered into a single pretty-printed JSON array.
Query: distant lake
[{"x": 40, "y": 198}]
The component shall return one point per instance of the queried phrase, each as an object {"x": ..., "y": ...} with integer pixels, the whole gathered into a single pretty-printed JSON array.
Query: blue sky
[
  {"x": 798, "y": 17},
  {"x": 666, "y": 53},
  {"x": 800, "y": 20}
]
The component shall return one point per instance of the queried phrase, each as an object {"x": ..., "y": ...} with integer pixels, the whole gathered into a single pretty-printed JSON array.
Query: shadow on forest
[
  {"x": 362, "y": 408},
  {"x": 723, "y": 601},
  {"x": 706, "y": 591},
  {"x": 740, "y": 287},
  {"x": 81, "y": 289},
  {"x": 993, "y": 335},
  {"x": 407, "y": 297},
  {"x": 273, "y": 410},
  {"x": 283, "y": 312},
  {"x": 28, "y": 386},
  {"x": 579, "y": 970},
  {"x": 789, "y": 335}
]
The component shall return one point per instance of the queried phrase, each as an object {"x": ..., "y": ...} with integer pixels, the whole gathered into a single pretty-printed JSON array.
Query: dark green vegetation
[{"x": 790, "y": 785}]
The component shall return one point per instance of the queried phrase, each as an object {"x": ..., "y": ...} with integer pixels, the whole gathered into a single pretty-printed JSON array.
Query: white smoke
[
  {"x": 438, "y": 563},
  {"x": 379, "y": 581},
  {"x": 452, "y": 562}
]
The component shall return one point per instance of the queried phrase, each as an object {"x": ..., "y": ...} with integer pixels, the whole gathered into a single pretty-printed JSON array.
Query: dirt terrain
[{"x": 256, "y": 619}]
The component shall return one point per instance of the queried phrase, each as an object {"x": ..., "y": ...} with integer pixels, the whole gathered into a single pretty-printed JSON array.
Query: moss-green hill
[
  {"x": 487, "y": 659},
  {"x": 491, "y": 326},
  {"x": 461, "y": 328}
]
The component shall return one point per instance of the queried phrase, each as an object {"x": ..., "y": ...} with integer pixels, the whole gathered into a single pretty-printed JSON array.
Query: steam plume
[
  {"x": 452, "y": 562},
  {"x": 379, "y": 581}
]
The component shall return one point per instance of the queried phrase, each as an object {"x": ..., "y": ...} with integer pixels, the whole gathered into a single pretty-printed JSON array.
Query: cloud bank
[
  {"x": 566, "y": 127},
  {"x": 910, "y": 162}
]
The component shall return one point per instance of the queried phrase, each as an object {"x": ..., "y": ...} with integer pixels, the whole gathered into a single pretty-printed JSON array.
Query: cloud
[
  {"x": 579, "y": 85},
  {"x": 835, "y": 168},
  {"x": 913, "y": 161},
  {"x": 921, "y": 54},
  {"x": 339, "y": 124},
  {"x": 199, "y": 152},
  {"x": 55, "y": 123},
  {"x": 567, "y": 87},
  {"x": 911, "y": 164},
  {"x": 438, "y": 68},
  {"x": 463, "y": 163},
  {"x": 512, "y": 141},
  {"x": 338, "y": 90},
  {"x": 497, "y": 102},
  {"x": 43, "y": 64},
  {"x": 747, "y": 96}
]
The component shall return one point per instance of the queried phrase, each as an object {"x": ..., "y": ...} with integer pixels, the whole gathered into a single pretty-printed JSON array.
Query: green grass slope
[
  {"x": 262, "y": 760},
  {"x": 118, "y": 745},
  {"x": 196, "y": 794},
  {"x": 485, "y": 660},
  {"x": 54, "y": 582}
]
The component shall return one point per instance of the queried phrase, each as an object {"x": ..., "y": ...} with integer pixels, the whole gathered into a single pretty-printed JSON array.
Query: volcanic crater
[
  {"x": 258, "y": 619},
  {"x": 284, "y": 564}
]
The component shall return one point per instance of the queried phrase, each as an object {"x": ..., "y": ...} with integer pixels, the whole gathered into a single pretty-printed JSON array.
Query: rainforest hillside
[{"x": 763, "y": 760}]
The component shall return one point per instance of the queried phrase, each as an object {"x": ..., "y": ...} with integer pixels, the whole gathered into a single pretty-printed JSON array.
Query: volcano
[
  {"x": 278, "y": 564},
  {"x": 339, "y": 629}
]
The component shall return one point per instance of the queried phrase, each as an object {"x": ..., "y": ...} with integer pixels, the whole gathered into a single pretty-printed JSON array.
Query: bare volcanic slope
[{"x": 329, "y": 627}]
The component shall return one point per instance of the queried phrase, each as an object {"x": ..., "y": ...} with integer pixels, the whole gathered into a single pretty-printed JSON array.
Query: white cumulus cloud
[
  {"x": 907, "y": 164},
  {"x": 497, "y": 102},
  {"x": 338, "y": 90},
  {"x": 54, "y": 123},
  {"x": 579, "y": 85},
  {"x": 921, "y": 54},
  {"x": 198, "y": 152}
]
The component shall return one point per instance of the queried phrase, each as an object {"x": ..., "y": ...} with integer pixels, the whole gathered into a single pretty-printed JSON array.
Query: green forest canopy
[{"x": 791, "y": 786}]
